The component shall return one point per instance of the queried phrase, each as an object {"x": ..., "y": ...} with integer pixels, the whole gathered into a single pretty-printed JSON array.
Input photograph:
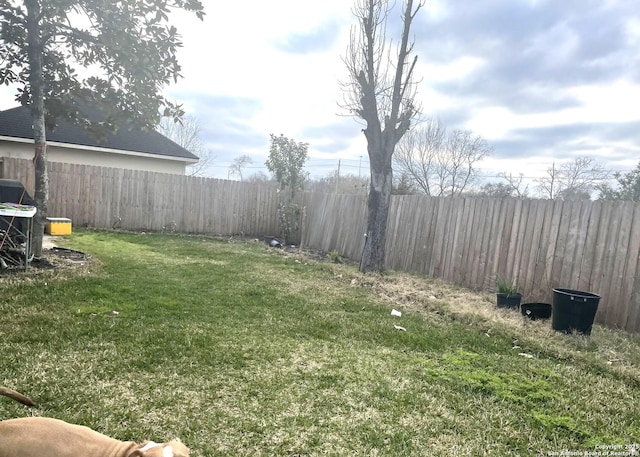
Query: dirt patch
[{"x": 55, "y": 261}]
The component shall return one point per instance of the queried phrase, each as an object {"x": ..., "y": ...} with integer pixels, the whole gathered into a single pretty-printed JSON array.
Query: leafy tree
[
  {"x": 128, "y": 49},
  {"x": 628, "y": 187},
  {"x": 286, "y": 162},
  {"x": 235, "y": 169},
  {"x": 382, "y": 93}
]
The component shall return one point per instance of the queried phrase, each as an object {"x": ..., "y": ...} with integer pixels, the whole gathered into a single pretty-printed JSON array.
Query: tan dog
[{"x": 46, "y": 437}]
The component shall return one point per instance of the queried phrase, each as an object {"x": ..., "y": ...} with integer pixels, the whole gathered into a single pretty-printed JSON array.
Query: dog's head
[{"x": 173, "y": 448}]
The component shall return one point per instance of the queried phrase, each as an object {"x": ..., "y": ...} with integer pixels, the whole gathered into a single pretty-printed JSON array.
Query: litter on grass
[
  {"x": 395, "y": 312},
  {"x": 397, "y": 327}
]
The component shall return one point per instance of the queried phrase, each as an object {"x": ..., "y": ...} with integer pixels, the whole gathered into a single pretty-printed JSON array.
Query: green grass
[{"x": 243, "y": 350}]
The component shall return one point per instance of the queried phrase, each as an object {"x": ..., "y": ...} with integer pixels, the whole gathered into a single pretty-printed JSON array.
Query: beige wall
[{"x": 94, "y": 156}]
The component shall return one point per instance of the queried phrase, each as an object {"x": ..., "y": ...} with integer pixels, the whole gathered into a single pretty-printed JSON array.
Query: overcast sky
[{"x": 540, "y": 80}]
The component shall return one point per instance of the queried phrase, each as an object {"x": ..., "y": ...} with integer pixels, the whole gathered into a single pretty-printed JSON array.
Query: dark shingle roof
[{"x": 16, "y": 122}]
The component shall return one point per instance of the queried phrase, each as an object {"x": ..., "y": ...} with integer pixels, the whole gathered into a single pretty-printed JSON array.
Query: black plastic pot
[
  {"x": 573, "y": 310},
  {"x": 508, "y": 301},
  {"x": 536, "y": 310}
]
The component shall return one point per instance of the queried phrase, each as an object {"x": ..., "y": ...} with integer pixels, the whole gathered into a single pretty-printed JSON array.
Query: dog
[{"x": 47, "y": 437}]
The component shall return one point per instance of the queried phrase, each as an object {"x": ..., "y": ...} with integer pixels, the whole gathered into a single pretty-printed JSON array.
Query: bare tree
[
  {"x": 441, "y": 163},
  {"x": 187, "y": 134},
  {"x": 572, "y": 180},
  {"x": 516, "y": 184},
  {"x": 417, "y": 154},
  {"x": 235, "y": 169},
  {"x": 381, "y": 91},
  {"x": 403, "y": 184}
]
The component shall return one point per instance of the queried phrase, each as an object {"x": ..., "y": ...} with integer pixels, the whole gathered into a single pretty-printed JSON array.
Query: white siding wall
[{"x": 95, "y": 156}]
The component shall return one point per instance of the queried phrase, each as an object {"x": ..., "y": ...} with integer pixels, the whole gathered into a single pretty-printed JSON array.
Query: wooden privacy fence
[
  {"x": 543, "y": 244},
  {"x": 107, "y": 198}
]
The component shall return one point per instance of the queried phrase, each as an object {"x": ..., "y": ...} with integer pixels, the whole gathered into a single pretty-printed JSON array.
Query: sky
[{"x": 543, "y": 81}]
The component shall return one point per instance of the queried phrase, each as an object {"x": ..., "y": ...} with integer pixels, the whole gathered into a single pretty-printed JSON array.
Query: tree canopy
[
  {"x": 286, "y": 162},
  {"x": 113, "y": 55},
  {"x": 66, "y": 55},
  {"x": 628, "y": 187}
]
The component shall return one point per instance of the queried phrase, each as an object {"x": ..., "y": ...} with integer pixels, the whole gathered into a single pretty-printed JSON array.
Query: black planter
[
  {"x": 508, "y": 301},
  {"x": 536, "y": 311},
  {"x": 573, "y": 310}
]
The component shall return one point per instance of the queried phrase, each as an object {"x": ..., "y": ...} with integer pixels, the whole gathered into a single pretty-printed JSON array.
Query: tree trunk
[
  {"x": 374, "y": 253},
  {"x": 36, "y": 83}
]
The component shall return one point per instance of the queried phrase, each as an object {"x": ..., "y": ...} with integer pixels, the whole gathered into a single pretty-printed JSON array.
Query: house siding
[{"x": 98, "y": 157}]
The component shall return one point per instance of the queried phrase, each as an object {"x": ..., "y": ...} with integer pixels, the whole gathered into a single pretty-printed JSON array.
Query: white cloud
[{"x": 510, "y": 71}]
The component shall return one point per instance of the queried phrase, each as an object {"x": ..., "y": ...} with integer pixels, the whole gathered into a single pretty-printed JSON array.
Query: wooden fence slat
[
  {"x": 626, "y": 304},
  {"x": 620, "y": 256},
  {"x": 604, "y": 278}
]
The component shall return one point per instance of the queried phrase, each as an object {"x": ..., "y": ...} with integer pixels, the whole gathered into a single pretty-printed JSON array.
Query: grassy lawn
[{"x": 242, "y": 350}]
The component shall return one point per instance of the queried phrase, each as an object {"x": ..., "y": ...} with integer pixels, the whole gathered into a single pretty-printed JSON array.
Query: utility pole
[{"x": 338, "y": 177}]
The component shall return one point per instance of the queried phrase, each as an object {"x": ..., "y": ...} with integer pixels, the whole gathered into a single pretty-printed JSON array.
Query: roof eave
[{"x": 102, "y": 149}]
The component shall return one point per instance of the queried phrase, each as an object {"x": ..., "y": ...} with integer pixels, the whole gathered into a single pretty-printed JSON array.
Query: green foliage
[
  {"x": 628, "y": 186},
  {"x": 507, "y": 287},
  {"x": 290, "y": 220},
  {"x": 557, "y": 423},
  {"x": 335, "y": 256},
  {"x": 286, "y": 162},
  {"x": 470, "y": 370},
  {"x": 129, "y": 50}
]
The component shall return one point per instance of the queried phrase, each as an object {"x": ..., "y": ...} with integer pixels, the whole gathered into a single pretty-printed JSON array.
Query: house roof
[{"x": 17, "y": 123}]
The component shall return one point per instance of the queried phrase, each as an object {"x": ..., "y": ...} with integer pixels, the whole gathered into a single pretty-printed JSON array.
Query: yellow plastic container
[{"x": 58, "y": 226}]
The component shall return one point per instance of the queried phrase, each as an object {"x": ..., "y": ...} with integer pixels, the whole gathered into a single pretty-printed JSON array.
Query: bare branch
[
  {"x": 440, "y": 163},
  {"x": 382, "y": 102},
  {"x": 514, "y": 183},
  {"x": 572, "y": 180}
]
